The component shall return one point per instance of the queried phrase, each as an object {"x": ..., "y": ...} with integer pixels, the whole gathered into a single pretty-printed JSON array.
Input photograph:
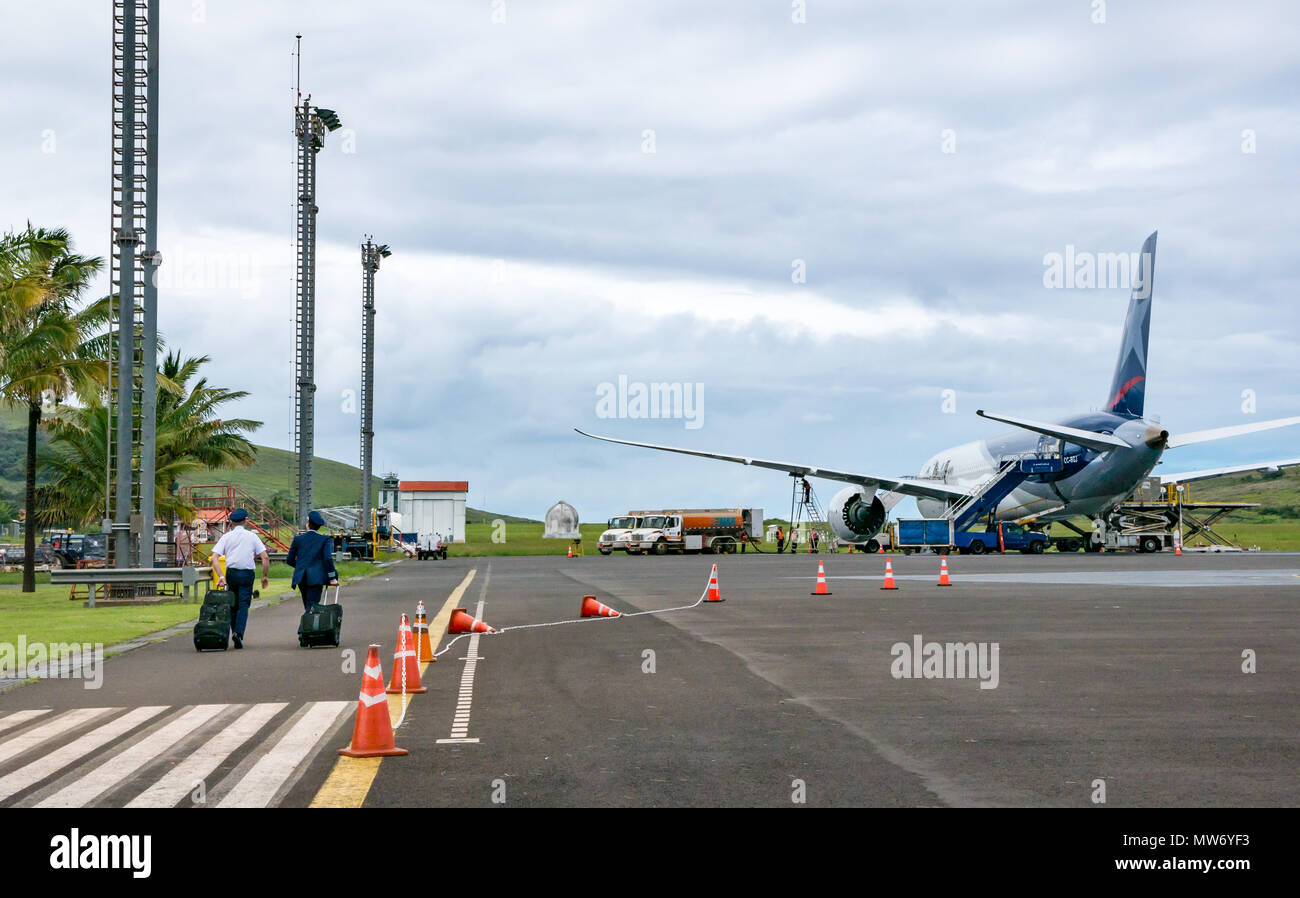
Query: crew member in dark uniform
[{"x": 311, "y": 555}]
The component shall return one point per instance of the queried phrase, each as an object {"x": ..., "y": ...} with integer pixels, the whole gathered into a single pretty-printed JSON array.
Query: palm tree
[
  {"x": 42, "y": 337},
  {"x": 190, "y": 437}
]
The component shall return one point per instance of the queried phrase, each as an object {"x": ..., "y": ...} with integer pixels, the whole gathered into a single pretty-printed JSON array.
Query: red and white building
[{"x": 429, "y": 506}]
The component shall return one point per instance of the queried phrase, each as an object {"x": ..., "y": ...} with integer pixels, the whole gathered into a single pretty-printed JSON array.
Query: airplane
[{"x": 1083, "y": 465}]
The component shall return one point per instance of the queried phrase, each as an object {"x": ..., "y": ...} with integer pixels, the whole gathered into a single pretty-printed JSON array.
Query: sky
[{"x": 830, "y": 224}]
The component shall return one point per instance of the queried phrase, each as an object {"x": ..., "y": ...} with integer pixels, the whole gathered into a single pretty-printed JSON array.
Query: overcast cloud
[{"x": 540, "y": 252}]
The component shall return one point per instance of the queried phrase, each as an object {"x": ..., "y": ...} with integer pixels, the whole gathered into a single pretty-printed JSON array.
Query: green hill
[
  {"x": 333, "y": 482},
  {"x": 1278, "y": 494}
]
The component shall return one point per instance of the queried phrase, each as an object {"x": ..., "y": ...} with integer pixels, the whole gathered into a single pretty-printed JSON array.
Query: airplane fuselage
[{"x": 1090, "y": 482}]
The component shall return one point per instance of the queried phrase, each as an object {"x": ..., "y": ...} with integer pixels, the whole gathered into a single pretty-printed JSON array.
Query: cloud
[{"x": 538, "y": 251}]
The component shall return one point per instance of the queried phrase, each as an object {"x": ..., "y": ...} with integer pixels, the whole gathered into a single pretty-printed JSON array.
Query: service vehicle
[
  {"x": 939, "y": 534},
  {"x": 616, "y": 535},
  {"x": 709, "y": 530}
]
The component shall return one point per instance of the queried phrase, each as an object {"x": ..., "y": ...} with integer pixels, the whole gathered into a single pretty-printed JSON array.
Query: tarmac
[{"x": 1123, "y": 672}]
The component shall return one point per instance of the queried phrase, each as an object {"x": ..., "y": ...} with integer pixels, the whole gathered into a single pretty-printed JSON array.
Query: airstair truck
[{"x": 707, "y": 530}]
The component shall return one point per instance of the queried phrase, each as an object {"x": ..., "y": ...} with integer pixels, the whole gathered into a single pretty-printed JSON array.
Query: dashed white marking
[
  {"x": 182, "y": 779},
  {"x": 260, "y": 785},
  {"x": 56, "y": 760},
  {"x": 465, "y": 699},
  {"x": 113, "y": 771}
]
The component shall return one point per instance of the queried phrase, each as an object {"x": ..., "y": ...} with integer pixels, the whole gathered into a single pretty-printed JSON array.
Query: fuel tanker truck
[{"x": 708, "y": 530}]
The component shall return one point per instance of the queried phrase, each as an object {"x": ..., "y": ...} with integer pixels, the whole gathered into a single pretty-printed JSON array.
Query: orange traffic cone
[
  {"x": 404, "y": 660},
  {"x": 889, "y": 576},
  {"x": 570, "y": 550},
  {"x": 880, "y": 548},
  {"x": 423, "y": 648},
  {"x": 943, "y": 572},
  {"x": 1178, "y": 544},
  {"x": 464, "y": 622},
  {"x": 821, "y": 589},
  {"x": 715, "y": 594},
  {"x": 592, "y": 608},
  {"x": 372, "y": 730}
]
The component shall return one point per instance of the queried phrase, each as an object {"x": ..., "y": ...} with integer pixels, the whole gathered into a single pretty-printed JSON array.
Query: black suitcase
[
  {"x": 323, "y": 624},
  {"x": 212, "y": 631}
]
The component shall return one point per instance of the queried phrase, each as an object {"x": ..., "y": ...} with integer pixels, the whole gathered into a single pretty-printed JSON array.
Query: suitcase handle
[{"x": 337, "y": 590}]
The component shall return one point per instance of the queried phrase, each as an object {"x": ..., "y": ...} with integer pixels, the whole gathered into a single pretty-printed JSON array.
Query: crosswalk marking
[
  {"x": 49, "y": 730},
  {"x": 182, "y": 779},
  {"x": 84, "y": 756},
  {"x": 56, "y": 760},
  {"x": 113, "y": 771},
  {"x": 20, "y": 717},
  {"x": 260, "y": 785}
]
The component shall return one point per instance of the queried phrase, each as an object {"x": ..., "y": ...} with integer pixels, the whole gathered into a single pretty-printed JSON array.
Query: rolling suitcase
[
  {"x": 212, "y": 631},
  {"x": 323, "y": 624}
]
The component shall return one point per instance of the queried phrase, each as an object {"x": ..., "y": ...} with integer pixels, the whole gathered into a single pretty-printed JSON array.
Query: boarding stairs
[
  {"x": 226, "y": 498},
  {"x": 1012, "y": 471}
]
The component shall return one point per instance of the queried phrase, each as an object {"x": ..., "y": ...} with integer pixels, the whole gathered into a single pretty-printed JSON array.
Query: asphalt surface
[{"x": 1123, "y": 668}]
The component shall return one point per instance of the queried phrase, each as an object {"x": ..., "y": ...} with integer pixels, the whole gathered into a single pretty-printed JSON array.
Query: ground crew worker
[
  {"x": 311, "y": 555},
  {"x": 242, "y": 548},
  {"x": 813, "y": 539},
  {"x": 794, "y": 540},
  {"x": 780, "y": 540}
]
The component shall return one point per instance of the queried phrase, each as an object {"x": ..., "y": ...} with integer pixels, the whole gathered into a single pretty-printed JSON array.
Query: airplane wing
[
  {"x": 1188, "y": 476},
  {"x": 923, "y": 488},
  {"x": 1103, "y": 442},
  {"x": 1219, "y": 433}
]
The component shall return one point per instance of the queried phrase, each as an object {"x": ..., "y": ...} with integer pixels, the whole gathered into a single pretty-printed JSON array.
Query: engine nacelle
[{"x": 856, "y": 515}]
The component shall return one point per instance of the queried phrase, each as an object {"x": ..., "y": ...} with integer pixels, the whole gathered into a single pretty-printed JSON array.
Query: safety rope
[{"x": 576, "y": 620}]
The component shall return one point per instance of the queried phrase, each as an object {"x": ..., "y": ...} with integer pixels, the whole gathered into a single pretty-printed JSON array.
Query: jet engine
[{"x": 856, "y": 515}]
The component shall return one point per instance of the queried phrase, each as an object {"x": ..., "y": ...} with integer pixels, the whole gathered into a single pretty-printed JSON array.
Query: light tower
[
  {"x": 310, "y": 124},
  {"x": 133, "y": 325},
  {"x": 371, "y": 253}
]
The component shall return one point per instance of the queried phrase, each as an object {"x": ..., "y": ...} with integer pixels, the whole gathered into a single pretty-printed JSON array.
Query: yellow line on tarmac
[{"x": 349, "y": 782}]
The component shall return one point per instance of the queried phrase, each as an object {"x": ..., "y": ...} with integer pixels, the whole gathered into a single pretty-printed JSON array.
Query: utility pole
[
  {"x": 370, "y": 256},
  {"x": 129, "y": 468},
  {"x": 310, "y": 125},
  {"x": 149, "y": 336}
]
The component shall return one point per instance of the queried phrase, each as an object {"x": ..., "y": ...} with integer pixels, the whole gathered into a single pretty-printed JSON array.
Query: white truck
[
  {"x": 429, "y": 545},
  {"x": 709, "y": 530},
  {"x": 615, "y": 536}
]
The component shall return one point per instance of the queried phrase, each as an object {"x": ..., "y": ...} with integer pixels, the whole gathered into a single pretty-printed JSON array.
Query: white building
[{"x": 431, "y": 506}]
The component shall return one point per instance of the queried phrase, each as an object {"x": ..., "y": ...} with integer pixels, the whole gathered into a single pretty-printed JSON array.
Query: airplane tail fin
[{"x": 1128, "y": 389}]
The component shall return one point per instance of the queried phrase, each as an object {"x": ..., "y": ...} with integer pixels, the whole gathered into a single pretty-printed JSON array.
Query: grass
[
  {"x": 47, "y": 615},
  {"x": 519, "y": 539}
]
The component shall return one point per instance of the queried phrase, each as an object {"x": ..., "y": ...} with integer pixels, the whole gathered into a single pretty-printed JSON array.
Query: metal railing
[{"x": 187, "y": 577}]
